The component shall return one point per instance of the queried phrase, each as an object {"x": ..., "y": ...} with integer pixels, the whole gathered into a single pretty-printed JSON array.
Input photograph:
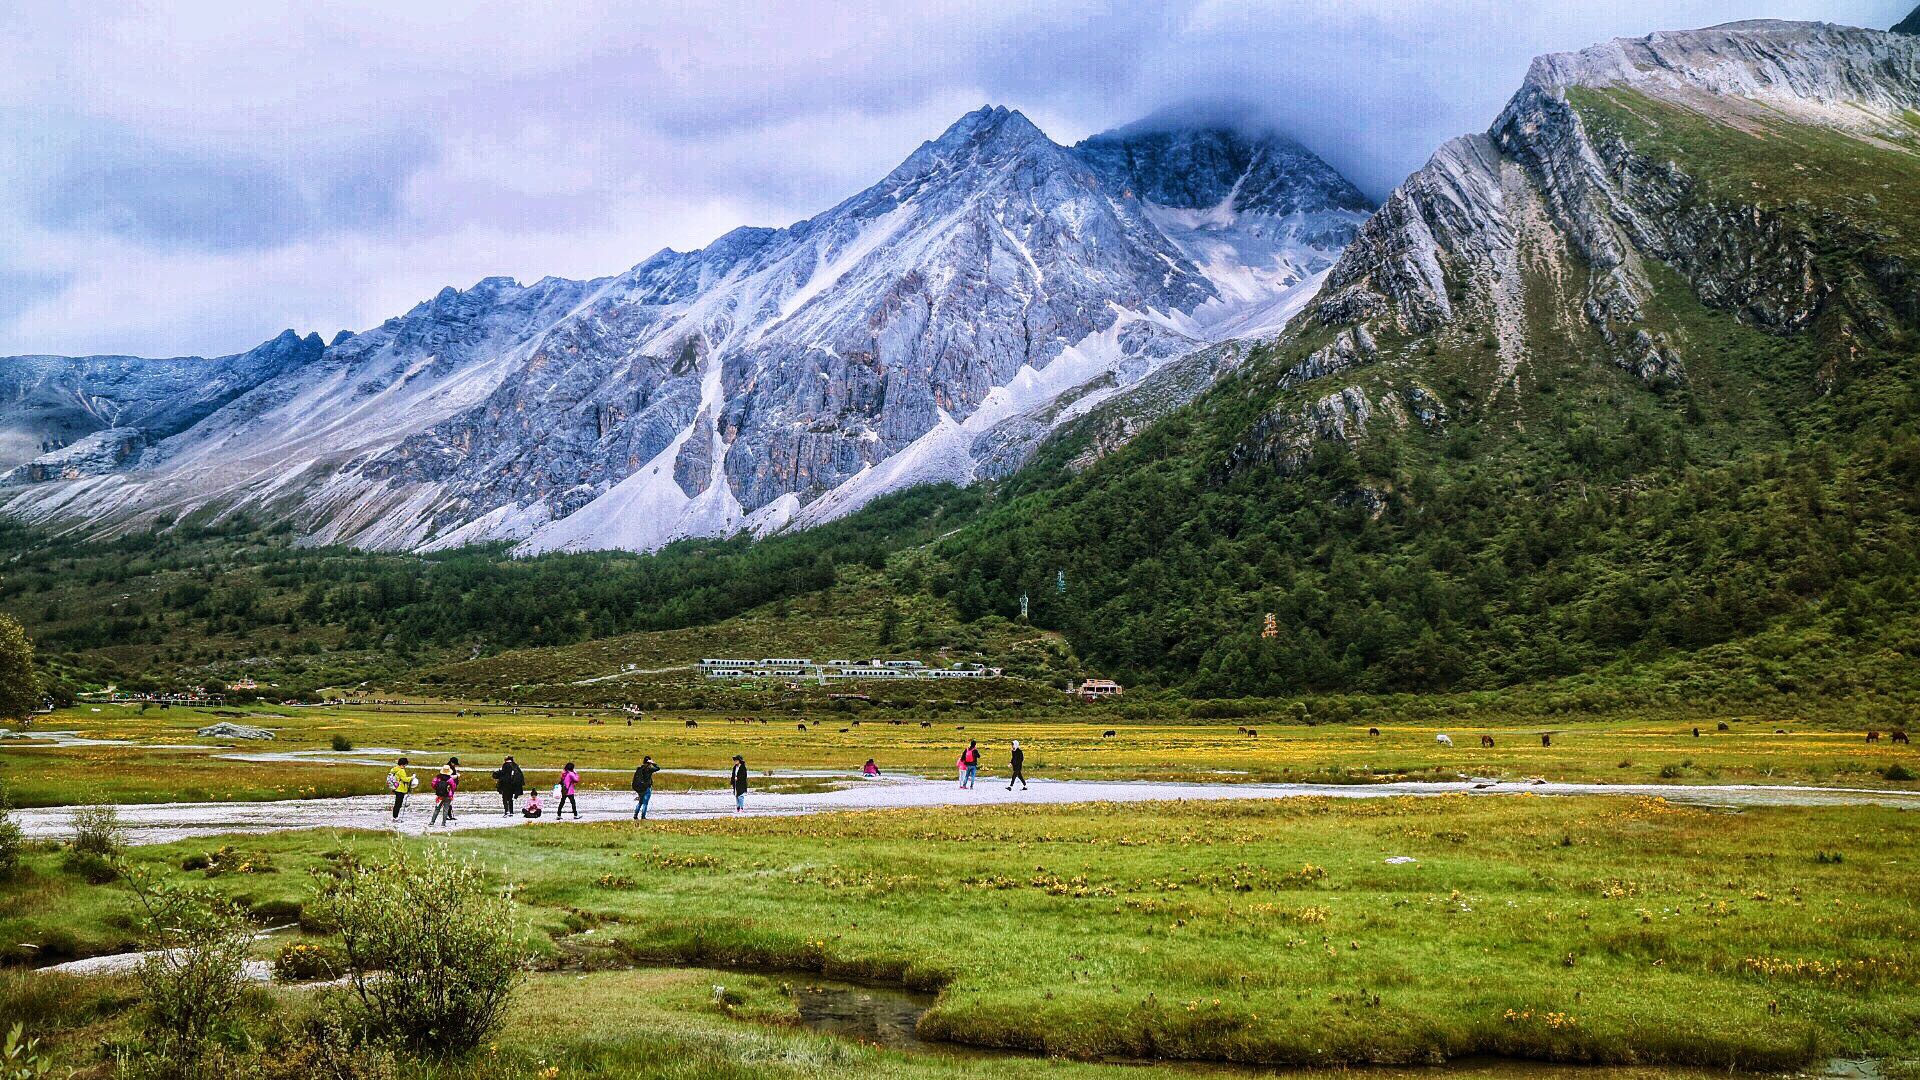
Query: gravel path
[{"x": 158, "y": 823}]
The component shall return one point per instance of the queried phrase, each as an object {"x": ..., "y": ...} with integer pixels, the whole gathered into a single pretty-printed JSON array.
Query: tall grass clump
[{"x": 433, "y": 951}]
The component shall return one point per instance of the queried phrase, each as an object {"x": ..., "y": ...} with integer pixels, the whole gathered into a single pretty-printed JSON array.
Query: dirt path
[{"x": 162, "y": 822}]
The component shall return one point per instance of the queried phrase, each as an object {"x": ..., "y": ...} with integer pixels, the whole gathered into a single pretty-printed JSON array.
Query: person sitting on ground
[
  {"x": 509, "y": 781},
  {"x": 870, "y": 769},
  {"x": 643, "y": 787},
  {"x": 533, "y": 805}
]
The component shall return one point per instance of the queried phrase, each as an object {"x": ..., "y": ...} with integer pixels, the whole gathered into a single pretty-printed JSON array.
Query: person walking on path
[
  {"x": 1019, "y": 767},
  {"x": 569, "y": 780},
  {"x": 643, "y": 787},
  {"x": 400, "y": 782},
  {"x": 442, "y": 797},
  {"x": 739, "y": 783},
  {"x": 510, "y": 782},
  {"x": 970, "y": 759}
]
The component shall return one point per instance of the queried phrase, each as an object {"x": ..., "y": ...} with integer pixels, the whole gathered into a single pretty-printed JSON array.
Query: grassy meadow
[
  {"x": 1627, "y": 932},
  {"x": 151, "y": 768}
]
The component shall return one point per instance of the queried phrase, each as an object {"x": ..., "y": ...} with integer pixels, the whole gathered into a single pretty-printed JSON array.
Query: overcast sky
[{"x": 193, "y": 177}]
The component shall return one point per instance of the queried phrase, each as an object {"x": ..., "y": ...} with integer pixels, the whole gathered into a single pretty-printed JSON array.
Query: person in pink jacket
[{"x": 569, "y": 780}]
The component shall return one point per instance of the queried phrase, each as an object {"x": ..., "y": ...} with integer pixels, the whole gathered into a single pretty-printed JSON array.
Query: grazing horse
[
  {"x": 1486, "y": 740},
  {"x": 693, "y": 723},
  {"x": 1899, "y": 736},
  {"x": 1546, "y": 739},
  {"x": 1108, "y": 734},
  {"x": 1443, "y": 739},
  {"x": 802, "y": 727},
  {"x": 1374, "y": 731},
  {"x": 1252, "y": 734},
  {"x": 1873, "y": 736},
  {"x": 926, "y": 723},
  {"x": 1723, "y": 726}
]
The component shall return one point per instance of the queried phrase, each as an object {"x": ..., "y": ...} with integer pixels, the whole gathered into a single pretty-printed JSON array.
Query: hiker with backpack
[
  {"x": 643, "y": 787},
  {"x": 970, "y": 763},
  {"x": 400, "y": 782},
  {"x": 510, "y": 782},
  {"x": 442, "y": 797},
  {"x": 453, "y": 784}
]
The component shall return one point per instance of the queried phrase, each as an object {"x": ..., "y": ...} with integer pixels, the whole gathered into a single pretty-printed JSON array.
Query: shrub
[
  {"x": 12, "y": 841},
  {"x": 1898, "y": 772},
  {"x": 342, "y": 744},
  {"x": 20, "y": 1057},
  {"x": 190, "y": 984},
  {"x": 1672, "y": 772},
  {"x": 433, "y": 951},
  {"x": 308, "y": 961},
  {"x": 97, "y": 830},
  {"x": 90, "y": 867},
  {"x": 326, "y": 1047}
]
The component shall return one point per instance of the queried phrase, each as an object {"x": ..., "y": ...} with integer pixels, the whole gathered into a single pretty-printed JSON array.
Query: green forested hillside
[{"x": 1750, "y": 528}]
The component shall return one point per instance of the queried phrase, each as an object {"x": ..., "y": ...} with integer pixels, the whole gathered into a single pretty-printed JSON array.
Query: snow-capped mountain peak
[{"x": 932, "y": 327}]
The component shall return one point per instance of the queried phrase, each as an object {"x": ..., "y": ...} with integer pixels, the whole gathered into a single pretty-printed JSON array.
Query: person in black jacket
[
  {"x": 643, "y": 787},
  {"x": 739, "y": 783},
  {"x": 1019, "y": 763},
  {"x": 510, "y": 782}
]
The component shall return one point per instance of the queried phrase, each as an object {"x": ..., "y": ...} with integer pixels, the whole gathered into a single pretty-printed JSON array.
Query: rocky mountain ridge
[
  {"x": 934, "y": 327},
  {"x": 1610, "y": 168}
]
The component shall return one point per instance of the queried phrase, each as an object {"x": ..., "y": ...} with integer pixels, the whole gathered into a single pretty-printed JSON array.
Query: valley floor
[
  {"x": 1499, "y": 935},
  {"x": 156, "y": 823}
]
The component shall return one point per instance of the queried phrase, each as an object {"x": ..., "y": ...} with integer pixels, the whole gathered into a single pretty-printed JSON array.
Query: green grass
[
  {"x": 1543, "y": 929},
  {"x": 1659, "y": 747},
  {"x": 1773, "y": 163}
]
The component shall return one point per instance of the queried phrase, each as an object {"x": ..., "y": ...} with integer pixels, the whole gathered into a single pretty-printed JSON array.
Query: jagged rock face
[
  {"x": 1910, "y": 24},
  {"x": 47, "y": 403},
  {"x": 1545, "y": 217},
  {"x": 934, "y": 327},
  {"x": 1206, "y": 168}
]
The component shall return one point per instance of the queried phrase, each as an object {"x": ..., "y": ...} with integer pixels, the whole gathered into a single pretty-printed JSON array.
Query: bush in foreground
[
  {"x": 189, "y": 985},
  {"x": 433, "y": 950}
]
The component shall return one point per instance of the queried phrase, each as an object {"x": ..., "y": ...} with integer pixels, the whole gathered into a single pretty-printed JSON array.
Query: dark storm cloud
[{"x": 193, "y": 176}]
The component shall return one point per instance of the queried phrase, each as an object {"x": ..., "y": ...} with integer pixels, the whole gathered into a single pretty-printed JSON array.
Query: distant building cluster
[
  {"x": 790, "y": 667},
  {"x": 1097, "y": 688}
]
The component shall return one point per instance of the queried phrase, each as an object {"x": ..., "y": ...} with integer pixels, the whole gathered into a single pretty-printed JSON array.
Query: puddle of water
[{"x": 884, "y": 1016}]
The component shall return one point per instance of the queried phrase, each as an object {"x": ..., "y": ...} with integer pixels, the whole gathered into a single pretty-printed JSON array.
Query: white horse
[{"x": 1443, "y": 739}]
